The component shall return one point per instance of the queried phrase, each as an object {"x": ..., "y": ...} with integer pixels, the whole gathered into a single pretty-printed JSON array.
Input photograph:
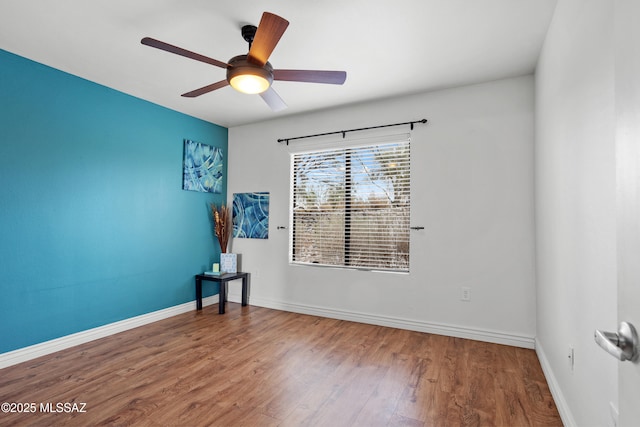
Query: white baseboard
[
  {"x": 496, "y": 337},
  {"x": 28, "y": 353},
  {"x": 561, "y": 403}
]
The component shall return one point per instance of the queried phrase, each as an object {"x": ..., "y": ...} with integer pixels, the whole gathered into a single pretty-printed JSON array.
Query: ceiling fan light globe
[
  {"x": 249, "y": 83},
  {"x": 247, "y": 77}
]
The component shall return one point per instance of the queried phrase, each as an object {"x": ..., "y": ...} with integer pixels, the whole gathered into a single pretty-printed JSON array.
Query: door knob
[{"x": 622, "y": 345}]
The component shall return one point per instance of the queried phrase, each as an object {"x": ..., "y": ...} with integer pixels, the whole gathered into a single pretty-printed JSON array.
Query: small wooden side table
[{"x": 222, "y": 279}]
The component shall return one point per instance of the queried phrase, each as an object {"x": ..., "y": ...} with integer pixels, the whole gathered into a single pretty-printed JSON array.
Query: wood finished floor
[{"x": 258, "y": 367}]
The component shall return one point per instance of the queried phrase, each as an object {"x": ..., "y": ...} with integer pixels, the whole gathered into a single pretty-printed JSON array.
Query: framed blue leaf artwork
[
  {"x": 251, "y": 215},
  {"x": 201, "y": 168}
]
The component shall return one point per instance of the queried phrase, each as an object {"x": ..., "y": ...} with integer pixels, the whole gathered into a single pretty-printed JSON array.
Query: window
[{"x": 351, "y": 207}]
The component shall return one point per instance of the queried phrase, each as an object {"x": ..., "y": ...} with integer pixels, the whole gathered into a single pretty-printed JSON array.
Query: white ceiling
[{"x": 387, "y": 48}]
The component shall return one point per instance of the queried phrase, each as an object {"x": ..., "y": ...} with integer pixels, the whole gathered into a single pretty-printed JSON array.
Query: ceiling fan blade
[
  {"x": 267, "y": 36},
  {"x": 311, "y": 76},
  {"x": 148, "y": 41},
  {"x": 273, "y": 100},
  {"x": 206, "y": 89}
]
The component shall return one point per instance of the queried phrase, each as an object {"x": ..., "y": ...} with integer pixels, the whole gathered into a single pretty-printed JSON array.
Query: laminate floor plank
[
  {"x": 259, "y": 367},
  {"x": 380, "y": 408}
]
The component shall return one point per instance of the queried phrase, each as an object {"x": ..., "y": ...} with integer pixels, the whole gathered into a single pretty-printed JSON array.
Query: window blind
[{"x": 351, "y": 207}]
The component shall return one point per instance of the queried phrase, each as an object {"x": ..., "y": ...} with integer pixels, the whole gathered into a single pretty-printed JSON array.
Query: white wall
[
  {"x": 472, "y": 188},
  {"x": 575, "y": 208}
]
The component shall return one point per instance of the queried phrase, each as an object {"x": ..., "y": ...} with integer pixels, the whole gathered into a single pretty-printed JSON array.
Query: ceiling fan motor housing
[{"x": 241, "y": 66}]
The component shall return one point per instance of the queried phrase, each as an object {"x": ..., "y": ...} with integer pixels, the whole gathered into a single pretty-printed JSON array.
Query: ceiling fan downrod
[{"x": 248, "y": 33}]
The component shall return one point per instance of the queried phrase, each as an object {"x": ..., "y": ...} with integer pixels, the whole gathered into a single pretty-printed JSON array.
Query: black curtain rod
[{"x": 344, "y": 132}]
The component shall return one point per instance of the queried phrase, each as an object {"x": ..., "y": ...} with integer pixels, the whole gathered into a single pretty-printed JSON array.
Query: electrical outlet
[
  {"x": 465, "y": 293},
  {"x": 571, "y": 355}
]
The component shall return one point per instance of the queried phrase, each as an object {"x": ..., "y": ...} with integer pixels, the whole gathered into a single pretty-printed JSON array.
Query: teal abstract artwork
[
  {"x": 251, "y": 215},
  {"x": 202, "y": 168}
]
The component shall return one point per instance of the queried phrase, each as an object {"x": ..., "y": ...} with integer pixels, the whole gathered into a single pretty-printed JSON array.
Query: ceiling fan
[{"x": 252, "y": 73}]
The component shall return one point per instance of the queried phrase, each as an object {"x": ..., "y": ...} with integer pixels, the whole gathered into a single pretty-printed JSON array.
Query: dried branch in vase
[{"x": 223, "y": 225}]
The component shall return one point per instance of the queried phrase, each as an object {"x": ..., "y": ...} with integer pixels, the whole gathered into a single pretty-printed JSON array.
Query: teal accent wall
[{"x": 94, "y": 224}]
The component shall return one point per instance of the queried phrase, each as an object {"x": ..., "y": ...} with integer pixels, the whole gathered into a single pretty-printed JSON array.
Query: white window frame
[{"x": 402, "y": 257}]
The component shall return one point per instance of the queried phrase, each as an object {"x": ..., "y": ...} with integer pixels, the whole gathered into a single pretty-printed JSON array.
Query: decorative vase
[{"x": 228, "y": 263}]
